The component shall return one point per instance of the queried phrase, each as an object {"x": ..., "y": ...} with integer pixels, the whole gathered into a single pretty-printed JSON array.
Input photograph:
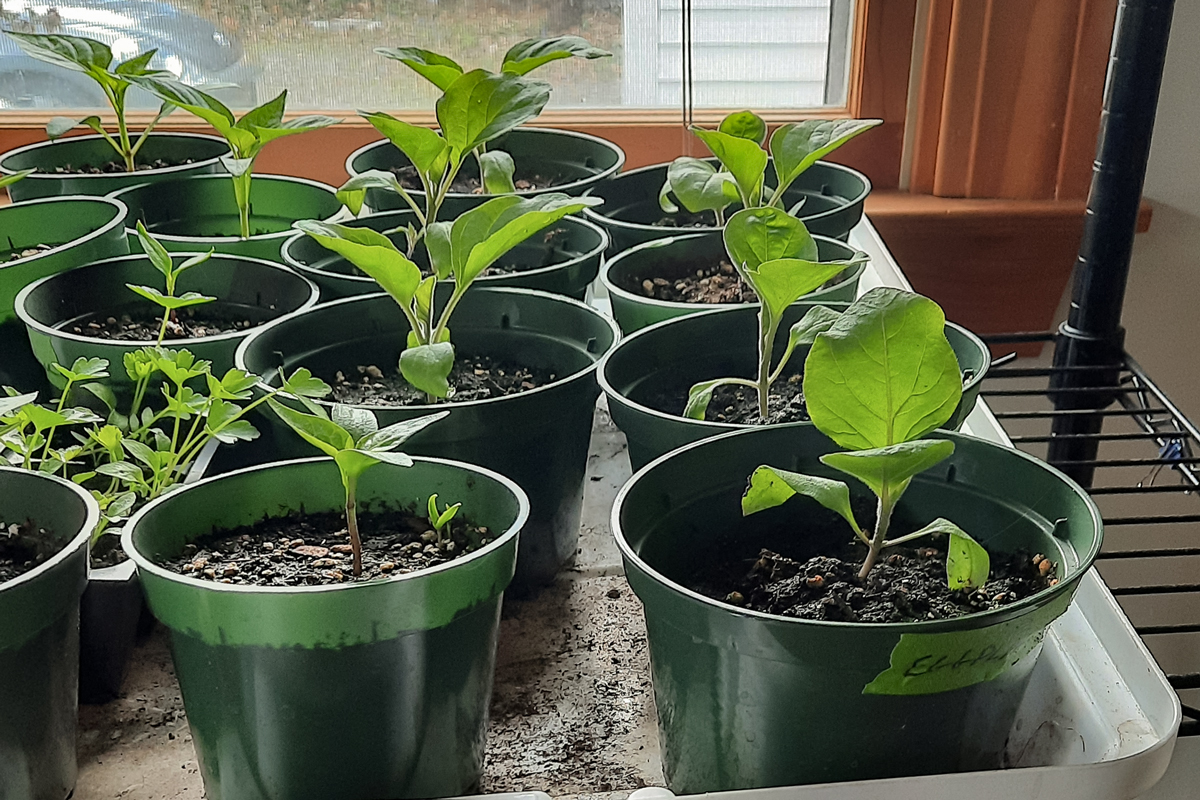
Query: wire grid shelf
[{"x": 1146, "y": 479}]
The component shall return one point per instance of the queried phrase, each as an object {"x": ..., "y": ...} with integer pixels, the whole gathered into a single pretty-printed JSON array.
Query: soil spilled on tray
[{"x": 472, "y": 378}]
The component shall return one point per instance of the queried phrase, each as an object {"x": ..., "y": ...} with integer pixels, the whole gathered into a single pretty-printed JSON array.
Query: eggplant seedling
[
  {"x": 737, "y": 143},
  {"x": 353, "y": 439},
  {"x": 462, "y": 250},
  {"x": 773, "y": 252},
  {"x": 440, "y": 520},
  {"x": 879, "y": 378},
  {"x": 95, "y": 60},
  {"x": 162, "y": 261},
  {"x": 246, "y": 136}
]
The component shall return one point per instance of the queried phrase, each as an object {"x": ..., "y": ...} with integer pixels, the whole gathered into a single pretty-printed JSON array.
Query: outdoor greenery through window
[{"x": 745, "y": 53}]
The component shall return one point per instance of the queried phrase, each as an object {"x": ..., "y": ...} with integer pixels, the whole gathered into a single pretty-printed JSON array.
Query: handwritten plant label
[{"x": 928, "y": 663}]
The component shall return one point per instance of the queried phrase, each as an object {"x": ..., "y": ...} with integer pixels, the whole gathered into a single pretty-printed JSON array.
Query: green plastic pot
[
  {"x": 82, "y": 229},
  {"x": 573, "y": 264},
  {"x": 260, "y": 290},
  {"x": 833, "y": 198},
  {"x": 539, "y": 438},
  {"x": 39, "y": 639},
  {"x": 580, "y": 159},
  {"x": 676, "y": 256},
  {"x": 200, "y": 213},
  {"x": 204, "y": 150},
  {"x": 681, "y": 352},
  {"x": 747, "y": 699},
  {"x": 361, "y": 690}
]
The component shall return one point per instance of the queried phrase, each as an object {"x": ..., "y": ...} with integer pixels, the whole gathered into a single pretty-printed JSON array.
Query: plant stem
[
  {"x": 351, "y": 482},
  {"x": 162, "y": 329},
  {"x": 241, "y": 192},
  {"x": 883, "y": 520},
  {"x": 123, "y": 130},
  {"x": 766, "y": 335}
]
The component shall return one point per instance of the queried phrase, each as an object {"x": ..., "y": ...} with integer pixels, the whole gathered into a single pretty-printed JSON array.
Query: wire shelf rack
[{"x": 1141, "y": 464}]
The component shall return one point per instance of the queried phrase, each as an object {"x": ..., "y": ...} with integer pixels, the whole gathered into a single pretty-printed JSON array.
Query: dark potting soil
[
  {"x": 468, "y": 183},
  {"x": 686, "y": 219},
  {"x": 739, "y": 404},
  {"x": 13, "y": 253},
  {"x": 694, "y": 282},
  {"x": 310, "y": 549},
  {"x": 23, "y": 546},
  {"x": 473, "y": 378},
  {"x": 813, "y": 574},
  {"x": 117, "y": 167},
  {"x": 142, "y": 324},
  {"x": 106, "y": 551}
]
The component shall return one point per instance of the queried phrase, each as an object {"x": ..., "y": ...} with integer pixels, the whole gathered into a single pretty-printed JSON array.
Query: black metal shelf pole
[{"x": 1092, "y": 336}]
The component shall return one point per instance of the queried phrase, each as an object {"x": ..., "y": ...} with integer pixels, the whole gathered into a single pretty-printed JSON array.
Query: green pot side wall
[
  {"x": 672, "y": 258},
  {"x": 702, "y": 346},
  {"x": 200, "y": 213},
  {"x": 203, "y": 151},
  {"x": 378, "y": 689},
  {"x": 39, "y": 641},
  {"x": 749, "y": 700},
  {"x": 539, "y": 439},
  {"x": 576, "y": 259}
]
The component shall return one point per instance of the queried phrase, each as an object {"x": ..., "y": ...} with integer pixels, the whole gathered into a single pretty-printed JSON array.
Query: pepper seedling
[
  {"x": 773, "y": 252},
  {"x": 877, "y": 380},
  {"x": 162, "y": 261},
  {"x": 353, "y": 439},
  {"x": 462, "y": 250},
  {"x": 698, "y": 185},
  {"x": 440, "y": 520},
  {"x": 496, "y": 167},
  {"x": 95, "y": 60},
  {"x": 246, "y": 136}
]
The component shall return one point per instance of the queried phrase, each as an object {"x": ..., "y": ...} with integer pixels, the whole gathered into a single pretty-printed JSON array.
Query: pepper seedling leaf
[
  {"x": 425, "y": 148},
  {"x": 480, "y": 106},
  {"x": 530, "y": 54},
  {"x": 796, "y": 146},
  {"x": 770, "y": 487},
  {"x": 698, "y": 185},
  {"x": 742, "y": 158},
  {"x": 327, "y": 436},
  {"x": 371, "y": 252},
  {"x": 428, "y": 366},
  {"x": 436, "y": 68},
  {"x": 498, "y": 169},
  {"x": 398, "y": 433}
]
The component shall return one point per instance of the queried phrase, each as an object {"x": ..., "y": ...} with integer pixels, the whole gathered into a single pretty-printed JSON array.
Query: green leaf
[
  {"x": 158, "y": 255},
  {"x": 770, "y": 487},
  {"x": 798, "y": 145},
  {"x": 425, "y": 148},
  {"x": 482, "y": 235},
  {"x": 267, "y": 115},
  {"x": 884, "y": 373},
  {"x": 10, "y": 404},
  {"x": 73, "y": 52},
  {"x": 530, "y": 54},
  {"x": 143, "y": 453},
  {"x": 326, "y": 436},
  {"x": 783, "y": 281},
  {"x": 123, "y": 470},
  {"x": 353, "y": 192},
  {"x": 480, "y": 106},
  {"x": 196, "y": 102},
  {"x": 891, "y": 468},
  {"x": 44, "y": 418},
  {"x": 398, "y": 433},
  {"x": 353, "y": 463},
  {"x": 745, "y": 125},
  {"x": 120, "y": 505},
  {"x": 137, "y": 65},
  {"x": 498, "y": 169},
  {"x": 967, "y": 563},
  {"x": 371, "y": 252},
  {"x": 237, "y": 166},
  {"x": 9, "y": 180},
  {"x": 697, "y": 185},
  {"x": 309, "y": 122},
  {"x": 109, "y": 437},
  {"x": 356, "y": 421},
  {"x": 103, "y": 392},
  {"x": 427, "y": 367},
  {"x": 399, "y": 459},
  {"x": 241, "y": 430},
  {"x": 60, "y": 126},
  {"x": 84, "y": 369},
  {"x": 170, "y": 303},
  {"x": 221, "y": 412},
  {"x": 438, "y": 69},
  {"x": 816, "y": 320},
  {"x": 437, "y": 246},
  {"x": 700, "y": 395},
  {"x": 742, "y": 158},
  {"x": 423, "y": 298},
  {"x": 755, "y": 235},
  {"x": 302, "y": 383},
  {"x": 194, "y": 261}
]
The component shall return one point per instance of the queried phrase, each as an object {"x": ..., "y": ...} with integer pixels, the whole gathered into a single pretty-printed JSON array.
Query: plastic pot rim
[
  {"x": 932, "y": 626},
  {"x": 117, "y": 221},
  {"x": 16, "y": 151},
  {"x": 69, "y": 547},
  {"x": 59, "y": 333},
  {"x": 163, "y": 573},
  {"x": 611, "y": 392},
  {"x": 566, "y": 187},
  {"x": 855, "y": 274},
  {"x": 239, "y": 357},
  {"x": 214, "y": 241},
  {"x": 595, "y": 215},
  {"x": 599, "y": 249}
]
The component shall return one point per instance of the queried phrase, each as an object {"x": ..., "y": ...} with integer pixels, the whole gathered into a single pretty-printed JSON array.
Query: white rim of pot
[
  {"x": 119, "y": 220},
  {"x": 91, "y": 518},
  {"x": 110, "y": 175}
]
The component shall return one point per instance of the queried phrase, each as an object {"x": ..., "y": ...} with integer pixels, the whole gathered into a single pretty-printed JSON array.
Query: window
[{"x": 744, "y": 53}]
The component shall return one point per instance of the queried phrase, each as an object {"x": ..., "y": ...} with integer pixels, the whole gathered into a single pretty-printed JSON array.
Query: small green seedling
[
  {"x": 737, "y": 143},
  {"x": 246, "y": 136},
  {"x": 878, "y": 379},
  {"x": 773, "y": 252},
  {"x": 138, "y": 453},
  {"x": 162, "y": 261},
  {"x": 462, "y": 250},
  {"x": 440, "y": 520},
  {"x": 353, "y": 439},
  {"x": 496, "y": 167},
  {"x": 95, "y": 59}
]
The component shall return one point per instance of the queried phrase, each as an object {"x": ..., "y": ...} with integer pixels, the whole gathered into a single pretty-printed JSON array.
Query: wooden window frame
[{"x": 878, "y": 87}]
